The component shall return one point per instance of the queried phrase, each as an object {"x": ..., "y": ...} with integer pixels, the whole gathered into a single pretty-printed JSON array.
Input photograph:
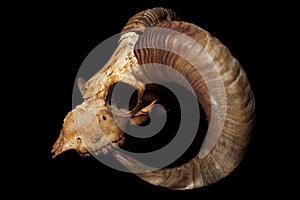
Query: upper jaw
[{"x": 109, "y": 146}]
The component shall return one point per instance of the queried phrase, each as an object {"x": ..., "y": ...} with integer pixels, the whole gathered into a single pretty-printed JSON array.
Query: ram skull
[{"x": 92, "y": 128}]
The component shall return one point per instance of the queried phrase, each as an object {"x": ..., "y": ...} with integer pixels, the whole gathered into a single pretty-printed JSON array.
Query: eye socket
[
  {"x": 122, "y": 95},
  {"x": 103, "y": 117}
]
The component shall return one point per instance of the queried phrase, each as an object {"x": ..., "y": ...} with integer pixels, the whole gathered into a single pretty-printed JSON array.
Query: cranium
[{"x": 145, "y": 39}]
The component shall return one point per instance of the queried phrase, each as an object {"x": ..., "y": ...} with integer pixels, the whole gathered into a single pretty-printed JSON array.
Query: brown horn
[{"x": 207, "y": 59}]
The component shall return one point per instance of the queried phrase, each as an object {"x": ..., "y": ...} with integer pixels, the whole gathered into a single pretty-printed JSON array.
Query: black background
[{"x": 56, "y": 39}]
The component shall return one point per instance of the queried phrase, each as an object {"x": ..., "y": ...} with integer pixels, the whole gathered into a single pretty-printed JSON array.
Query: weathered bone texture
[{"x": 139, "y": 45}]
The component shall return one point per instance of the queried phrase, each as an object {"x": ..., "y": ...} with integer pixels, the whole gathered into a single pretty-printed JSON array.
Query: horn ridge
[{"x": 149, "y": 18}]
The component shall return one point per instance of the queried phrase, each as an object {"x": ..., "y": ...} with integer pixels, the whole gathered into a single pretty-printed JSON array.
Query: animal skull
[{"x": 92, "y": 127}]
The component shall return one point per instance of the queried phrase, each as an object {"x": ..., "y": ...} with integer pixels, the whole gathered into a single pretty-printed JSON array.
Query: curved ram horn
[
  {"x": 208, "y": 166},
  {"x": 228, "y": 151},
  {"x": 217, "y": 78}
]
